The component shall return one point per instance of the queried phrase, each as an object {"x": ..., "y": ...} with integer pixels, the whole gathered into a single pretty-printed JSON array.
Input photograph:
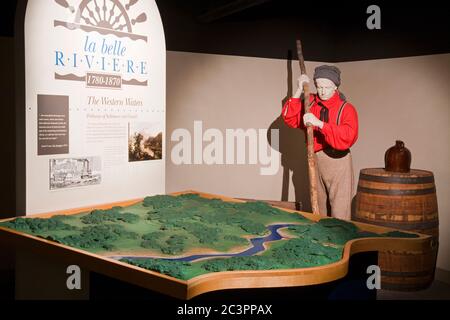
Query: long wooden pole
[{"x": 310, "y": 137}]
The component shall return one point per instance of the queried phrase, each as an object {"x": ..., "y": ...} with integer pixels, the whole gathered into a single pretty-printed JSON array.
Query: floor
[{"x": 437, "y": 291}]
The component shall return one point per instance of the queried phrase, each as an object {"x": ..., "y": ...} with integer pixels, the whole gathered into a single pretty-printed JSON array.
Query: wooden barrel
[{"x": 404, "y": 201}]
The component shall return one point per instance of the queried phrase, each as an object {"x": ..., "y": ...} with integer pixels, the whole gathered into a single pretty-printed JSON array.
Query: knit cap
[{"x": 328, "y": 72}]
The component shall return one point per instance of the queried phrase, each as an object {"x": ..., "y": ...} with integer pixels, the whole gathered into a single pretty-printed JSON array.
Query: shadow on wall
[{"x": 292, "y": 146}]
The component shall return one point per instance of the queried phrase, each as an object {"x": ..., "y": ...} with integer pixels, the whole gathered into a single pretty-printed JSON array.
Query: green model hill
[{"x": 167, "y": 226}]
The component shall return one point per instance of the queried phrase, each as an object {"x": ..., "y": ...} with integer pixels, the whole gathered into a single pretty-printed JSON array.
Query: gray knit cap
[{"x": 328, "y": 72}]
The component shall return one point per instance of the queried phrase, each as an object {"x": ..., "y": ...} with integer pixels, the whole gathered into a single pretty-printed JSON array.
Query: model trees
[
  {"x": 112, "y": 215},
  {"x": 253, "y": 227},
  {"x": 175, "y": 244},
  {"x": 96, "y": 237},
  {"x": 38, "y": 225},
  {"x": 295, "y": 253},
  {"x": 204, "y": 234},
  {"x": 175, "y": 269},
  {"x": 162, "y": 201}
]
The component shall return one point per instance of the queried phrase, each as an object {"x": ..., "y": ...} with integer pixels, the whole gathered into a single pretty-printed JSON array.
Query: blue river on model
[{"x": 257, "y": 246}]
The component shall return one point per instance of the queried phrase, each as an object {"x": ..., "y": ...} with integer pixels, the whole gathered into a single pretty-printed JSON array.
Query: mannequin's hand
[
  {"x": 311, "y": 120},
  {"x": 301, "y": 81}
]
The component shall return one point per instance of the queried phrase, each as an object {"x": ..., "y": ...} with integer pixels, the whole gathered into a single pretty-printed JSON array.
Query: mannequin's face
[{"x": 325, "y": 88}]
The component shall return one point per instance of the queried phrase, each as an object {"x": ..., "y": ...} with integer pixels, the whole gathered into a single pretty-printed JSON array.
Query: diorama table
[{"x": 42, "y": 270}]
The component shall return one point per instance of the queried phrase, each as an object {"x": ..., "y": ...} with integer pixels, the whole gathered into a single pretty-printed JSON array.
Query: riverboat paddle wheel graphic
[{"x": 104, "y": 15}]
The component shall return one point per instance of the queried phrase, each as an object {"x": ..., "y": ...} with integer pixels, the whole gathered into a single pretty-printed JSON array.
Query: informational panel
[{"x": 95, "y": 102}]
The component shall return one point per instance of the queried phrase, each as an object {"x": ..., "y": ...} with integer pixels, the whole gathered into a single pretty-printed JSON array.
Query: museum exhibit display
[{"x": 187, "y": 152}]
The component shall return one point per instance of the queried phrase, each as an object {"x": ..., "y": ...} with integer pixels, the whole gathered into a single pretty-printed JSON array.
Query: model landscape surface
[{"x": 187, "y": 235}]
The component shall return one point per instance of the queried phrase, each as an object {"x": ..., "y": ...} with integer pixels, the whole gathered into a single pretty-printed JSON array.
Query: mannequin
[{"x": 335, "y": 123}]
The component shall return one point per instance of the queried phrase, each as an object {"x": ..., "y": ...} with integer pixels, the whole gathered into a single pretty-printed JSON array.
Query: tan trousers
[{"x": 335, "y": 183}]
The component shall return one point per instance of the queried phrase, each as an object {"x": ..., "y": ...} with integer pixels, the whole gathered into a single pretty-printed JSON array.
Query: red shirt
[{"x": 340, "y": 137}]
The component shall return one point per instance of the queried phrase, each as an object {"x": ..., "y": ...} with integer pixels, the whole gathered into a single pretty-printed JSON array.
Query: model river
[{"x": 257, "y": 246}]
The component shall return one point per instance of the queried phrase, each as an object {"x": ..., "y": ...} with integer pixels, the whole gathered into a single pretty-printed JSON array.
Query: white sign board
[{"x": 95, "y": 102}]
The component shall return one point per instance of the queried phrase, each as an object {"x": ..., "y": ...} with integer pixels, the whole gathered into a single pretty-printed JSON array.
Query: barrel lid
[{"x": 381, "y": 172}]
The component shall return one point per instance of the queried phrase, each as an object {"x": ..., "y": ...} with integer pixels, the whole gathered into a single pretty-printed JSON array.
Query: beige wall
[
  {"x": 228, "y": 92},
  {"x": 406, "y": 98}
]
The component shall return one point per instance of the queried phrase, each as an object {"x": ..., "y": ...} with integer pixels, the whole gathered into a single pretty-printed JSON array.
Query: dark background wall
[
  {"x": 331, "y": 31},
  {"x": 7, "y": 129}
]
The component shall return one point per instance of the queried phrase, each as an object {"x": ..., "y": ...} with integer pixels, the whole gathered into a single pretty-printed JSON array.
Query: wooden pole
[{"x": 310, "y": 137}]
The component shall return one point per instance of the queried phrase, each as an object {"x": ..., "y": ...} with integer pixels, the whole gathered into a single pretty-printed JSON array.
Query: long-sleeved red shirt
[{"x": 340, "y": 137}]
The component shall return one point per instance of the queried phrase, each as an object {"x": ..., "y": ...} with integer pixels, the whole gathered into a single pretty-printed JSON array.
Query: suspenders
[
  {"x": 333, "y": 152},
  {"x": 338, "y": 120}
]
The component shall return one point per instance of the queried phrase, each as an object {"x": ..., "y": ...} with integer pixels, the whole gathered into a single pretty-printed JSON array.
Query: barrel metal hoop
[
  {"x": 393, "y": 179},
  {"x": 397, "y": 192},
  {"x": 403, "y": 226}
]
